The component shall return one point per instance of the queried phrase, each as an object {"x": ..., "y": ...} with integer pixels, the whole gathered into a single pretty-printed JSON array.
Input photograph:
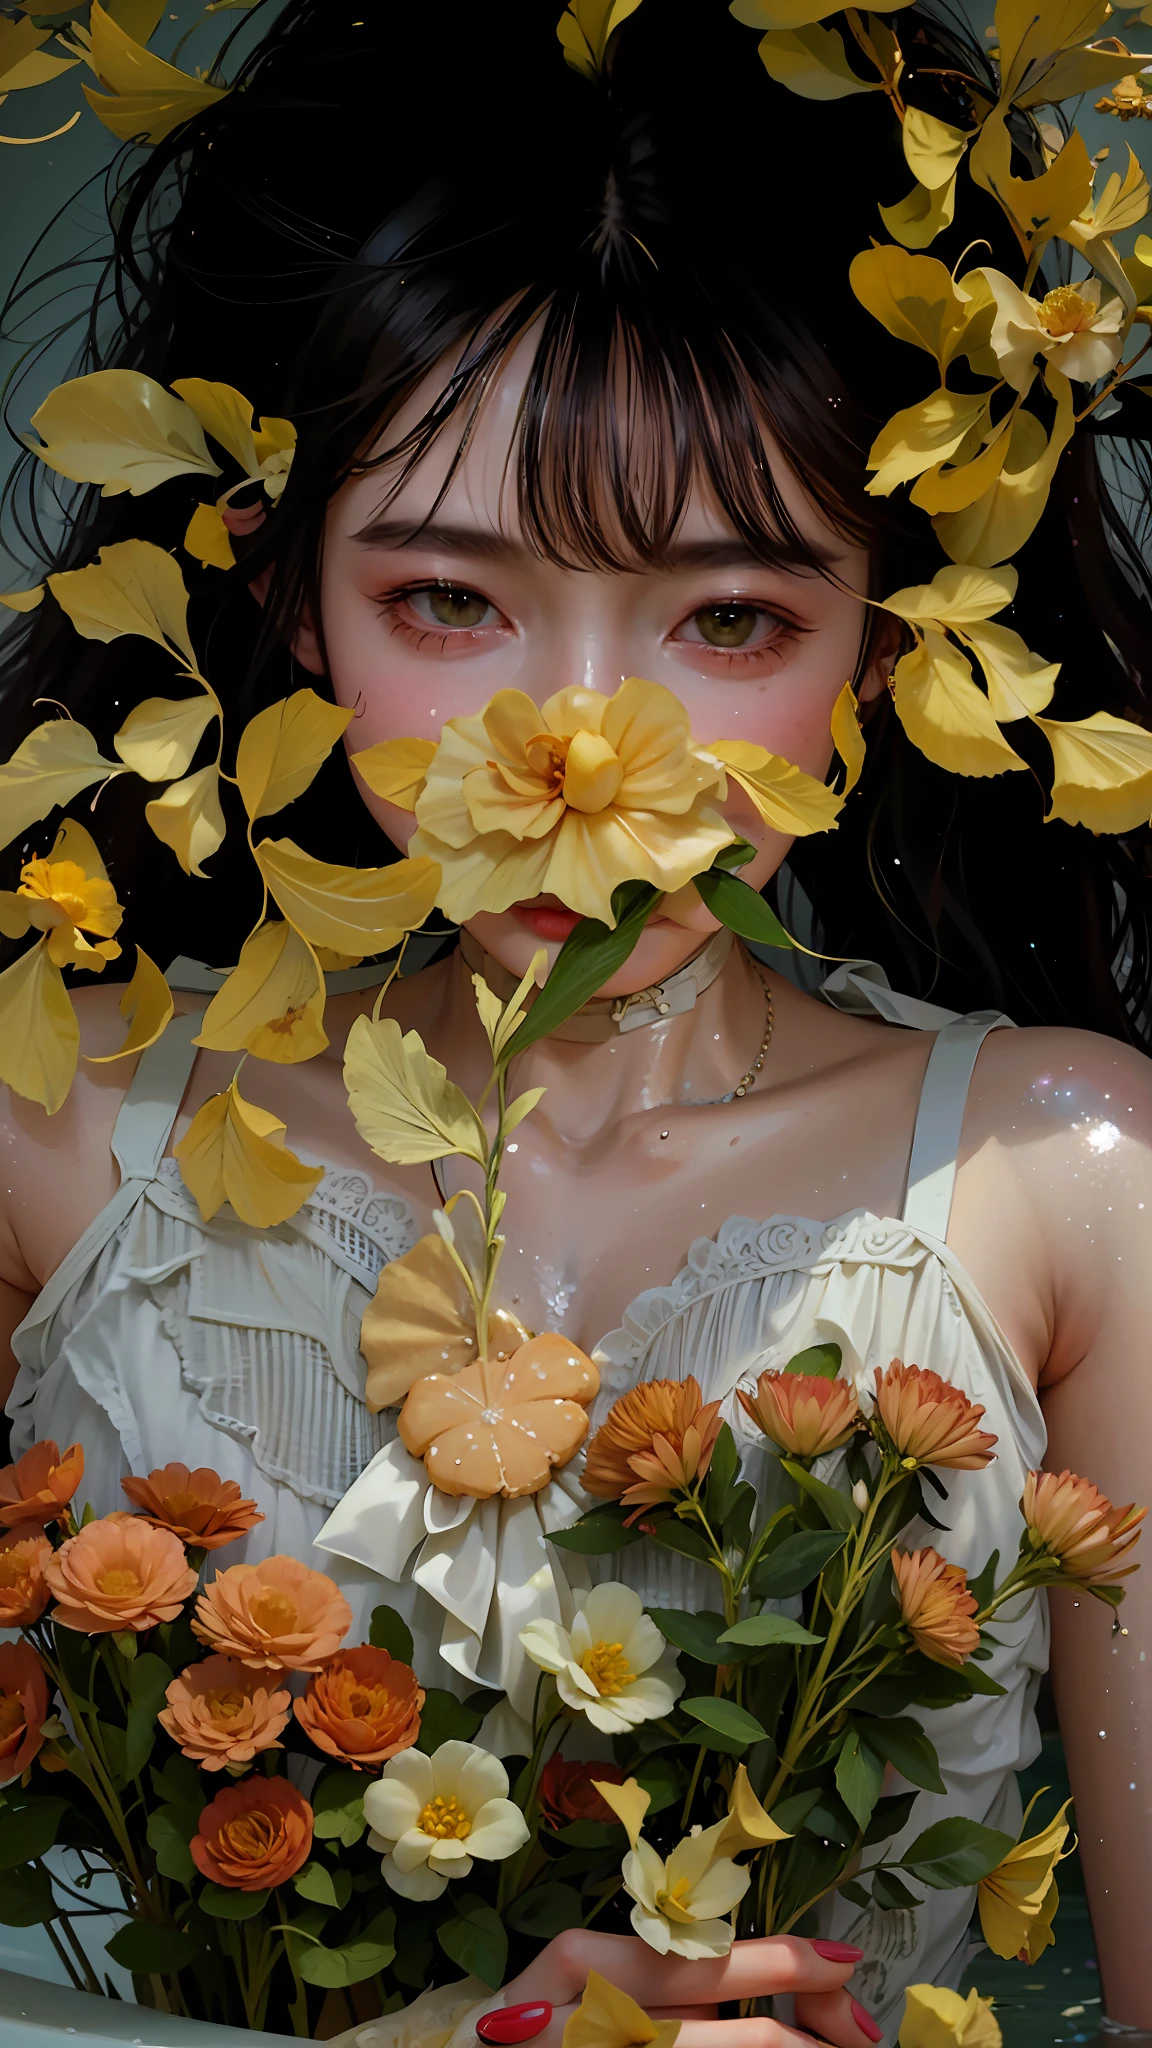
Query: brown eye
[
  {"x": 450, "y": 606},
  {"x": 727, "y": 625}
]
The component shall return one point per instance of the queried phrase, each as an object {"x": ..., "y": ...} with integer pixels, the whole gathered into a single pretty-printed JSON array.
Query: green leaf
[
  {"x": 148, "y": 1680},
  {"x": 596, "y": 1535},
  {"x": 855, "y": 1892},
  {"x": 26, "y": 1897},
  {"x": 723, "y": 1473},
  {"x": 904, "y": 1744},
  {"x": 663, "y": 1783},
  {"x": 889, "y": 1817},
  {"x": 820, "y": 1361},
  {"x": 681, "y": 1537},
  {"x": 984, "y": 1583},
  {"x": 323, "y": 1886},
  {"x": 796, "y": 1562},
  {"x": 831, "y": 1820},
  {"x": 955, "y": 1852},
  {"x": 125, "y": 1642},
  {"x": 859, "y": 1777},
  {"x": 445, "y": 1719},
  {"x": 791, "y": 1813},
  {"x": 169, "y": 1834},
  {"x": 476, "y": 1938},
  {"x": 726, "y": 1718},
  {"x": 740, "y": 908},
  {"x": 178, "y": 1782},
  {"x": 890, "y": 1892},
  {"x": 388, "y": 1631},
  {"x": 699, "y": 1635},
  {"x": 762, "y": 1631},
  {"x": 545, "y": 1910},
  {"x": 736, "y": 1528},
  {"x": 338, "y": 1807},
  {"x": 225, "y": 1904},
  {"x": 373, "y": 1949},
  {"x": 736, "y": 855},
  {"x": 587, "y": 1834},
  {"x": 148, "y": 1950},
  {"x": 29, "y": 1831},
  {"x": 838, "y": 1510},
  {"x": 589, "y": 957}
]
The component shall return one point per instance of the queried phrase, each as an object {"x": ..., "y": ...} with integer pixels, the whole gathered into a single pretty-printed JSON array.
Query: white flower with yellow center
[
  {"x": 612, "y": 1665},
  {"x": 1068, "y": 325},
  {"x": 681, "y": 1901},
  {"x": 433, "y": 1815}
]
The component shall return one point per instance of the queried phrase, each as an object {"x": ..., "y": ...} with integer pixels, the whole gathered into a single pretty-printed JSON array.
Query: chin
[{"x": 513, "y": 936}]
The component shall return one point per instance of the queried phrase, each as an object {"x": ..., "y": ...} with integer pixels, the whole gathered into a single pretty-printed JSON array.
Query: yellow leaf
[
  {"x": 1103, "y": 772},
  {"x": 148, "y": 97},
  {"x": 921, "y": 435},
  {"x": 23, "y": 600},
  {"x": 932, "y": 149},
  {"x": 395, "y": 769},
  {"x": 847, "y": 737},
  {"x": 1020, "y": 683},
  {"x": 1030, "y": 35},
  {"x": 1074, "y": 72},
  {"x": 999, "y": 522},
  {"x": 39, "y": 1035},
  {"x": 1038, "y": 207},
  {"x": 945, "y": 715},
  {"x": 272, "y": 1004},
  {"x": 786, "y": 798},
  {"x": 19, "y": 40},
  {"x": 281, "y": 749},
  {"x": 138, "y": 18},
  {"x": 50, "y": 767},
  {"x": 748, "y": 1825},
  {"x": 16, "y": 914},
  {"x": 404, "y": 1105},
  {"x": 629, "y": 1802},
  {"x": 956, "y": 596},
  {"x": 811, "y": 61},
  {"x": 917, "y": 220},
  {"x": 585, "y": 29},
  {"x": 502, "y": 1020},
  {"x": 937, "y": 2018},
  {"x": 790, "y": 14},
  {"x": 122, "y": 430},
  {"x": 353, "y": 910},
  {"x": 133, "y": 588},
  {"x": 188, "y": 818},
  {"x": 234, "y": 1152},
  {"x": 1123, "y": 202},
  {"x": 159, "y": 737},
  {"x": 147, "y": 1005},
  {"x": 208, "y": 539},
  {"x": 523, "y": 1106},
  {"x": 913, "y": 297},
  {"x": 954, "y": 488},
  {"x": 607, "y": 2018},
  {"x": 224, "y": 414},
  {"x": 37, "y": 68}
]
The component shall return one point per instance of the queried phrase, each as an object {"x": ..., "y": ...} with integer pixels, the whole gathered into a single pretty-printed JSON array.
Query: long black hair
[{"x": 391, "y": 187}]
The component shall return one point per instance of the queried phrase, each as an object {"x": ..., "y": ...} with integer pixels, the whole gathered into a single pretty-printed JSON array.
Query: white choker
[{"x": 604, "y": 1016}]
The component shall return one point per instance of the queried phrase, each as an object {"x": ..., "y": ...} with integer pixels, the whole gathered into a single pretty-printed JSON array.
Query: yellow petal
[
  {"x": 1019, "y": 682},
  {"x": 133, "y": 588},
  {"x": 782, "y": 14},
  {"x": 607, "y": 2018},
  {"x": 953, "y": 489},
  {"x": 1040, "y": 1935},
  {"x": 403, "y": 1103},
  {"x": 847, "y": 737},
  {"x": 914, "y": 297},
  {"x": 234, "y": 1152},
  {"x": 921, "y": 435},
  {"x": 147, "y": 1005},
  {"x": 998, "y": 524},
  {"x": 272, "y": 1004},
  {"x": 811, "y": 61},
  {"x": 932, "y": 150},
  {"x": 225, "y": 415},
  {"x": 208, "y": 539},
  {"x": 938, "y": 2018},
  {"x": 1124, "y": 200},
  {"x": 1103, "y": 775},
  {"x": 585, "y": 28},
  {"x": 395, "y": 769},
  {"x": 945, "y": 715},
  {"x": 39, "y": 1035},
  {"x": 274, "y": 438},
  {"x": 1030, "y": 36},
  {"x": 916, "y": 221},
  {"x": 55, "y": 762},
  {"x": 74, "y": 842},
  {"x": 353, "y": 910},
  {"x": 1039, "y": 207},
  {"x": 629, "y": 1802},
  {"x": 1074, "y": 72},
  {"x": 786, "y": 798},
  {"x": 148, "y": 97},
  {"x": 122, "y": 430},
  {"x": 956, "y": 596},
  {"x": 490, "y": 872},
  {"x": 281, "y": 749},
  {"x": 748, "y": 1826},
  {"x": 15, "y": 914},
  {"x": 188, "y": 818},
  {"x": 159, "y": 737},
  {"x": 422, "y": 1319},
  {"x": 23, "y": 600}
]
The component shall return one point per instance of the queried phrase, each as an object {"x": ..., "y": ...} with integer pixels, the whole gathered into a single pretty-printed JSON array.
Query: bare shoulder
[{"x": 1083, "y": 1094}]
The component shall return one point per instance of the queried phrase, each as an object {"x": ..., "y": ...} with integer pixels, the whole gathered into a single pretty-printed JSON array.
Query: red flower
[{"x": 568, "y": 1792}]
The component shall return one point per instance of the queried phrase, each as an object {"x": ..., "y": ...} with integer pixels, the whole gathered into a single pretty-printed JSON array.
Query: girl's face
[{"x": 420, "y": 631}]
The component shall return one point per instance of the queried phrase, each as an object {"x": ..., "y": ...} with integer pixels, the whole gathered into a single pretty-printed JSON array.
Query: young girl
[{"x": 582, "y": 394}]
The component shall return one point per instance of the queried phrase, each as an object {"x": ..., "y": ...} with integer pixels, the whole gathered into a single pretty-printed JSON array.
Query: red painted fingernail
[
  {"x": 864, "y": 2021},
  {"x": 839, "y": 1952},
  {"x": 516, "y": 2022}
]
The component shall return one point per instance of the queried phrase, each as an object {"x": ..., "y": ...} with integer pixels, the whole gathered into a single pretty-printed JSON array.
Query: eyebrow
[{"x": 484, "y": 543}]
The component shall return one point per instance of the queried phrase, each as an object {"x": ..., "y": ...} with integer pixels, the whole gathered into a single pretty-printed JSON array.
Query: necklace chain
[{"x": 748, "y": 1080}]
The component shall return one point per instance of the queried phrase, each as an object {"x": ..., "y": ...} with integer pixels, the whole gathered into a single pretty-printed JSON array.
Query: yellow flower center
[
  {"x": 250, "y": 1837},
  {"x": 11, "y": 1714},
  {"x": 608, "y": 1668},
  {"x": 225, "y": 1706},
  {"x": 680, "y": 1891},
  {"x": 14, "y": 1568},
  {"x": 119, "y": 1583},
  {"x": 446, "y": 1819},
  {"x": 61, "y": 884},
  {"x": 275, "y": 1613},
  {"x": 1065, "y": 311},
  {"x": 584, "y": 770}
]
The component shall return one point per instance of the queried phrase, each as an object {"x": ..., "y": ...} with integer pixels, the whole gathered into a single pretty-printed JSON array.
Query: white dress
[{"x": 161, "y": 1337}]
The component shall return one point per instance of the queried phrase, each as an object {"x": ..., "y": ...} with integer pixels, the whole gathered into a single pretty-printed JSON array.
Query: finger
[
  {"x": 838, "y": 2017},
  {"x": 750, "y": 2033}
]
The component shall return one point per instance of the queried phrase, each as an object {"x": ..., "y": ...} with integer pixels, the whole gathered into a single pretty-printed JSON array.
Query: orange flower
[
  {"x": 803, "y": 1412},
  {"x": 936, "y": 1606},
  {"x": 660, "y": 1434},
  {"x": 40, "y": 1485},
  {"x": 23, "y": 1708},
  {"x": 500, "y": 1427},
  {"x": 363, "y": 1707},
  {"x": 219, "y": 1713},
  {"x": 119, "y": 1575},
  {"x": 1069, "y": 1520},
  {"x": 928, "y": 1422},
  {"x": 253, "y": 1835},
  {"x": 24, "y": 1551},
  {"x": 273, "y": 1616},
  {"x": 199, "y": 1507}
]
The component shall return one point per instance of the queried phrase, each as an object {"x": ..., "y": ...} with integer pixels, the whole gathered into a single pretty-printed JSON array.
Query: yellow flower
[
  {"x": 568, "y": 798},
  {"x": 1019, "y": 1898},
  {"x": 607, "y": 2018},
  {"x": 1068, "y": 323},
  {"x": 682, "y": 1901},
  {"x": 937, "y": 2018},
  {"x": 66, "y": 895}
]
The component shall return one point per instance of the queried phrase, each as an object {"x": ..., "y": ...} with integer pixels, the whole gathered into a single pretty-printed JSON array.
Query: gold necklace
[{"x": 748, "y": 1080}]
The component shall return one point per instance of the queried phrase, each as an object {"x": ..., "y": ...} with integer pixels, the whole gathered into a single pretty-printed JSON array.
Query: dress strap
[
  {"x": 153, "y": 1098},
  {"x": 939, "y": 1120}
]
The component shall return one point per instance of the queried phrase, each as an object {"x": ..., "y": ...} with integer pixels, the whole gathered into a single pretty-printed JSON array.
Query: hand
[{"x": 669, "y": 1988}]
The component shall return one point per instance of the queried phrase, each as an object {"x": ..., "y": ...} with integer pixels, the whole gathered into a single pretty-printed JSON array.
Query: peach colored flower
[
  {"x": 220, "y": 1713},
  {"x": 1071, "y": 1521},
  {"x": 928, "y": 1422},
  {"x": 39, "y": 1486},
  {"x": 23, "y": 1708},
  {"x": 253, "y": 1835},
  {"x": 119, "y": 1575},
  {"x": 659, "y": 1434},
  {"x": 936, "y": 1606},
  {"x": 24, "y": 1551},
  {"x": 199, "y": 1507},
  {"x": 501, "y": 1426},
  {"x": 803, "y": 1412},
  {"x": 273, "y": 1616},
  {"x": 363, "y": 1707}
]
